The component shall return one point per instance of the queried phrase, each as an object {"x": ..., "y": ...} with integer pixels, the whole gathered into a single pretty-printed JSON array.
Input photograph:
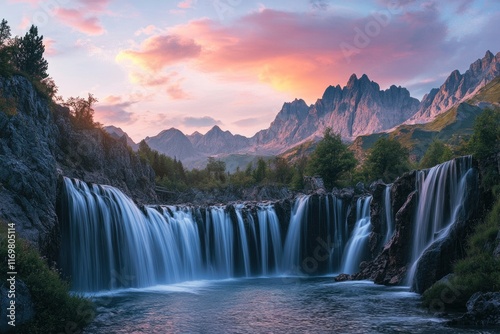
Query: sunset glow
[{"x": 193, "y": 64}]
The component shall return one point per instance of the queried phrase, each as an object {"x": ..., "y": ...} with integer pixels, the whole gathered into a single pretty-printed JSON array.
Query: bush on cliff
[{"x": 55, "y": 309}]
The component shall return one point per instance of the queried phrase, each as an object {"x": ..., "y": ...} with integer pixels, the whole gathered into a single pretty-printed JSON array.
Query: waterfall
[
  {"x": 316, "y": 236},
  {"x": 441, "y": 194},
  {"x": 219, "y": 240},
  {"x": 388, "y": 214},
  {"x": 109, "y": 243},
  {"x": 243, "y": 239},
  {"x": 356, "y": 249},
  {"x": 270, "y": 240},
  {"x": 291, "y": 261}
]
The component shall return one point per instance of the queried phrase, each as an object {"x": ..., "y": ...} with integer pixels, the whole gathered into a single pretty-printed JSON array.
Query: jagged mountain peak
[
  {"x": 216, "y": 130},
  {"x": 362, "y": 84},
  {"x": 489, "y": 55}
]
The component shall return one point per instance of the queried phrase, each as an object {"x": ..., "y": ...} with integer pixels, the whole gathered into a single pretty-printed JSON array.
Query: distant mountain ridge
[
  {"x": 118, "y": 133},
  {"x": 357, "y": 109},
  {"x": 457, "y": 88}
]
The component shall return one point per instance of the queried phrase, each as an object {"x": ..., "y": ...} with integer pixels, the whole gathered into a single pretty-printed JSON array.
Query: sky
[{"x": 193, "y": 64}]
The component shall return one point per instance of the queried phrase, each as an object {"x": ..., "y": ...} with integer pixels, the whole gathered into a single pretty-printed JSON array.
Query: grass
[
  {"x": 56, "y": 310},
  {"x": 489, "y": 93}
]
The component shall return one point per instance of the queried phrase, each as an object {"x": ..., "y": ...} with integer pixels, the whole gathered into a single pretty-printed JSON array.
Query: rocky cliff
[
  {"x": 38, "y": 141},
  {"x": 28, "y": 166}
]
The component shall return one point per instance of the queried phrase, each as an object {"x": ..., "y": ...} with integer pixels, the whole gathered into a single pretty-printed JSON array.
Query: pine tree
[
  {"x": 5, "y": 48},
  {"x": 28, "y": 56},
  {"x": 331, "y": 159},
  {"x": 4, "y": 33}
]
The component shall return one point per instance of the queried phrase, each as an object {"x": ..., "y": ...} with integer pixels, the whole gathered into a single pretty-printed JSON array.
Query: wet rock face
[
  {"x": 28, "y": 177},
  {"x": 437, "y": 261},
  {"x": 391, "y": 265},
  {"x": 483, "y": 309},
  {"x": 376, "y": 215}
]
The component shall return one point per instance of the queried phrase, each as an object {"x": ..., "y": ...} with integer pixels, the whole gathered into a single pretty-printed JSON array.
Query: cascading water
[
  {"x": 441, "y": 192},
  {"x": 388, "y": 214},
  {"x": 316, "y": 235},
  {"x": 243, "y": 239},
  {"x": 291, "y": 260},
  {"x": 109, "y": 243},
  {"x": 270, "y": 240},
  {"x": 357, "y": 247}
]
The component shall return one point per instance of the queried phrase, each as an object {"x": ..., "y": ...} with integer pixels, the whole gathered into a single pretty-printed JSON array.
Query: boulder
[{"x": 483, "y": 310}]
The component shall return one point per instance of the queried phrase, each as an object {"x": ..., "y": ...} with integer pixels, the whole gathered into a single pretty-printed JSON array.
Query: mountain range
[{"x": 359, "y": 108}]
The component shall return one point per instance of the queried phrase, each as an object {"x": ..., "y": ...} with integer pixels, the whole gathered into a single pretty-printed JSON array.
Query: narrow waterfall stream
[{"x": 356, "y": 249}]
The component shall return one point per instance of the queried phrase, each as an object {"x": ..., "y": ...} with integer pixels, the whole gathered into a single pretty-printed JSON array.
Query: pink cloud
[
  {"x": 149, "y": 30},
  {"x": 49, "y": 43},
  {"x": 77, "y": 20},
  {"x": 186, "y": 4},
  {"x": 25, "y": 23},
  {"x": 175, "y": 92},
  {"x": 301, "y": 53},
  {"x": 160, "y": 51}
]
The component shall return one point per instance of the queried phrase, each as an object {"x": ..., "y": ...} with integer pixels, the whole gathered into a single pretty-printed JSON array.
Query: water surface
[{"x": 267, "y": 305}]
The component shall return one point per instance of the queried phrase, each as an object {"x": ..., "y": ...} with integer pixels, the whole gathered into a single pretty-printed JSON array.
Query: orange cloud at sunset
[
  {"x": 160, "y": 51},
  {"x": 297, "y": 53}
]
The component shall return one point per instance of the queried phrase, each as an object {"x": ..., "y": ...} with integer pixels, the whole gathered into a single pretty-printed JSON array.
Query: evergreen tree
[
  {"x": 331, "y": 159},
  {"x": 437, "y": 153},
  {"x": 28, "y": 55},
  {"x": 4, "y": 33},
  {"x": 386, "y": 160},
  {"x": 259, "y": 174},
  {"x": 5, "y": 49}
]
